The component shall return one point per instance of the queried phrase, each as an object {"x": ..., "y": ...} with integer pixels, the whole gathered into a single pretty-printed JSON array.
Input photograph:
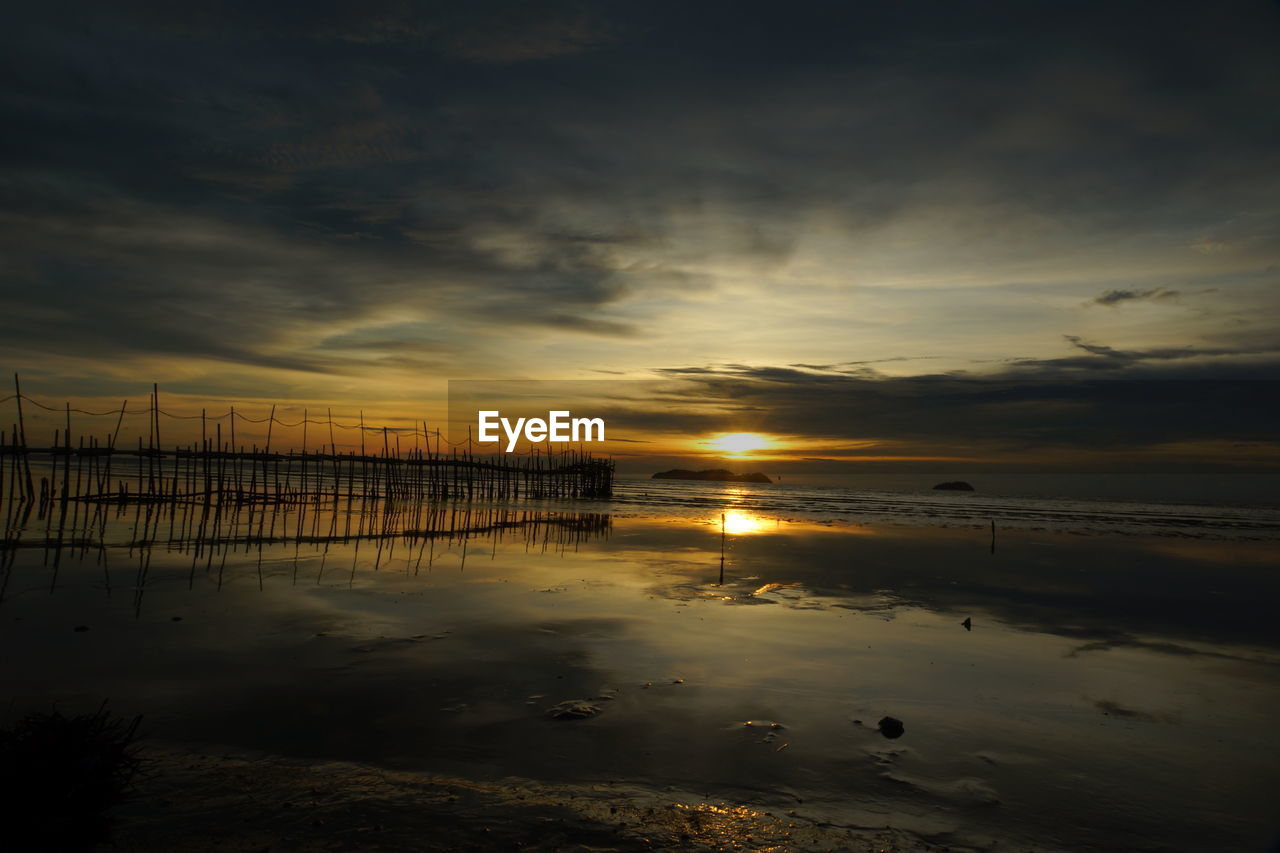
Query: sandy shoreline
[{"x": 197, "y": 800}]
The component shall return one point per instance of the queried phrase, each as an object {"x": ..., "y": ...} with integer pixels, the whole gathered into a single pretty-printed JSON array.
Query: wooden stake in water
[
  {"x": 120, "y": 420},
  {"x": 722, "y": 544},
  {"x": 22, "y": 437},
  {"x": 155, "y": 396}
]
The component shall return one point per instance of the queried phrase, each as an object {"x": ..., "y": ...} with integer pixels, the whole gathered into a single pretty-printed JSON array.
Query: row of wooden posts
[{"x": 94, "y": 468}]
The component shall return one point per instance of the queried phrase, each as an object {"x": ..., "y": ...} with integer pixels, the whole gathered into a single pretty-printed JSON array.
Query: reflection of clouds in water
[
  {"x": 1261, "y": 553},
  {"x": 1115, "y": 709},
  {"x": 1110, "y": 640},
  {"x": 1125, "y": 590}
]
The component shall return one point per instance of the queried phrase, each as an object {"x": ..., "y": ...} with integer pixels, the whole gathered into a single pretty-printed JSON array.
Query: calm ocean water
[
  {"x": 1236, "y": 505},
  {"x": 1102, "y": 678}
]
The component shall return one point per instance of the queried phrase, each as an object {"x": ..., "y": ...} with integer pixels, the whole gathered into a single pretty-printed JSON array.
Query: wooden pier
[{"x": 92, "y": 468}]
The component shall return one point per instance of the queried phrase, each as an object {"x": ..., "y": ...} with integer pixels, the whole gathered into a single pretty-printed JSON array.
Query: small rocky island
[
  {"x": 955, "y": 486},
  {"x": 719, "y": 475}
]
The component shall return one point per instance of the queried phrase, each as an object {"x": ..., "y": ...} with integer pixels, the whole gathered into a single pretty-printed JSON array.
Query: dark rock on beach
[
  {"x": 891, "y": 727},
  {"x": 955, "y": 486},
  {"x": 720, "y": 475}
]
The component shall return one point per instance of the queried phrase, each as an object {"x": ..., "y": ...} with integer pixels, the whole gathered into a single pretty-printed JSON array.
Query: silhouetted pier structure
[{"x": 94, "y": 468}]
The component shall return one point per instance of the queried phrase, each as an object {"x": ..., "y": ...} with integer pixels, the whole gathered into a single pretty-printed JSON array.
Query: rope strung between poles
[{"x": 232, "y": 413}]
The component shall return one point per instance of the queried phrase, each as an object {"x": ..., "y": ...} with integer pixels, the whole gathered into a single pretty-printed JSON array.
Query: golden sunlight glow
[
  {"x": 738, "y": 522},
  {"x": 737, "y": 443}
]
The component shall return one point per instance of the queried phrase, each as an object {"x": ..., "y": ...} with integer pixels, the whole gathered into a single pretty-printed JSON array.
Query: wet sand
[
  {"x": 1112, "y": 692},
  {"x": 194, "y": 801}
]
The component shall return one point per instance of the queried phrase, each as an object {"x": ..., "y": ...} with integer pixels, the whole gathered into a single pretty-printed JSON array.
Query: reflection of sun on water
[
  {"x": 738, "y": 522},
  {"x": 737, "y": 443}
]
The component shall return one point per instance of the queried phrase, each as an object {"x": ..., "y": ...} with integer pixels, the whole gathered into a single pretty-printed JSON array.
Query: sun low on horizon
[{"x": 738, "y": 445}]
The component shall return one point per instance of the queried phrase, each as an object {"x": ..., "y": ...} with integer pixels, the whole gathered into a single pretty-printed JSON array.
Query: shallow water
[
  {"x": 1151, "y": 506},
  {"x": 1116, "y": 691}
]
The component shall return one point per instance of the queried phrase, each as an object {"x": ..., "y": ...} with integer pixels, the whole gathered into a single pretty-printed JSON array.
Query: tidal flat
[{"x": 549, "y": 678}]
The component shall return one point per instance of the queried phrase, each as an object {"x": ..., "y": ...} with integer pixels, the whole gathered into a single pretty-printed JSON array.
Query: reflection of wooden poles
[
  {"x": 722, "y": 543},
  {"x": 993, "y": 536}
]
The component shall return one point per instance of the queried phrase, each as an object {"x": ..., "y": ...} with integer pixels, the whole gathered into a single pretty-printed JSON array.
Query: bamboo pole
[{"x": 22, "y": 433}]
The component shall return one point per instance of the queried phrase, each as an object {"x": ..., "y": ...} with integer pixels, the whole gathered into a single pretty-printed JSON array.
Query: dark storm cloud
[
  {"x": 214, "y": 185},
  {"x": 860, "y": 365},
  {"x": 1115, "y": 297},
  {"x": 1244, "y": 359},
  {"x": 1105, "y": 400},
  {"x": 245, "y": 181}
]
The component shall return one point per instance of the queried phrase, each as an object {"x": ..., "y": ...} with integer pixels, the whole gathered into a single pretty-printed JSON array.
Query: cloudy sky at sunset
[{"x": 353, "y": 203}]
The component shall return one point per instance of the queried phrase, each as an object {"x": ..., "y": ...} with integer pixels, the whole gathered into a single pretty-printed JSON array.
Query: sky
[{"x": 351, "y": 204}]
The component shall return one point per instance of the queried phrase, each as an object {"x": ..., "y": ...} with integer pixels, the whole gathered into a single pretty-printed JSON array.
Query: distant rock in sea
[
  {"x": 955, "y": 486},
  {"x": 720, "y": 475}
]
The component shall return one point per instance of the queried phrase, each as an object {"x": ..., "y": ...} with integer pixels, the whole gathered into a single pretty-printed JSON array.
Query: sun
[{"x": 737, "y": 443}]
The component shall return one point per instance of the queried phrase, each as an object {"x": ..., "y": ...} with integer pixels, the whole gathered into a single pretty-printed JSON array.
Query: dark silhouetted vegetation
[{"x": 59, "y": 776}]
